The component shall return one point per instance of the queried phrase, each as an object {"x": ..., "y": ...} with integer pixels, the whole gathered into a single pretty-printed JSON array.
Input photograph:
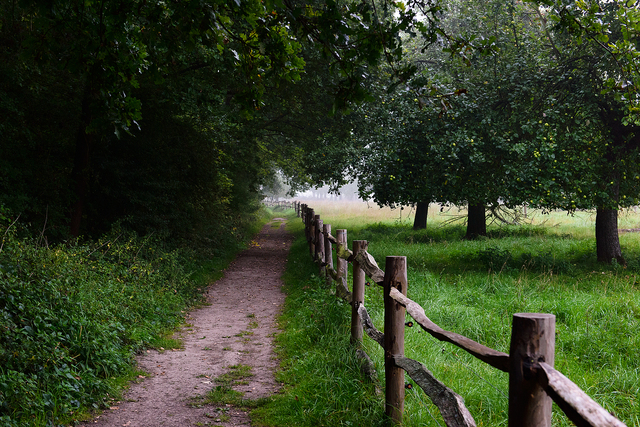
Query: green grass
[
  {"x": 322, "y": 384},
  {"x": 223, "y": 393},
  {"x": 472, "y": 288},
  {"x": 235, "y": 375}
]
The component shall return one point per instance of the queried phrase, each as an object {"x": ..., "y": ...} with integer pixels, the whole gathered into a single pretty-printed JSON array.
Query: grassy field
[{"x": 474, "y": 287}]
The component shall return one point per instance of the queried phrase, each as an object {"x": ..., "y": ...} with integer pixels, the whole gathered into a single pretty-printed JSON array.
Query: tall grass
[{"x": 474, "y": 287}]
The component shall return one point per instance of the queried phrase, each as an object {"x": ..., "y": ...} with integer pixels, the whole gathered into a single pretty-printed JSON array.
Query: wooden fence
[
  {"x": 533, "y": 382},
  {"x": 285, "y": 204}
]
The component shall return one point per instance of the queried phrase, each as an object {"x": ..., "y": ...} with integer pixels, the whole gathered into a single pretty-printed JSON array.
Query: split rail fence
[
  {"x": 278, "y": 203},
  {"x": 533, "y": 382}
]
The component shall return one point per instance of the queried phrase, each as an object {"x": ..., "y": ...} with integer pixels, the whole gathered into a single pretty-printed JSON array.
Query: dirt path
[{"x": 236, "y": 329}]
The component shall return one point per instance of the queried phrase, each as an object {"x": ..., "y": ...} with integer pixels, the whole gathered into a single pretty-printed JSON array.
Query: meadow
[{"x": 546, "y": 265}]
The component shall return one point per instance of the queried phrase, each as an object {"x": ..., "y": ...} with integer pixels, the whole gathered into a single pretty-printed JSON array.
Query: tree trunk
[
  {"x": 476, "y": 221},
  {"x": 420, "y": 221},
  {"x": 607, "y": 240}
]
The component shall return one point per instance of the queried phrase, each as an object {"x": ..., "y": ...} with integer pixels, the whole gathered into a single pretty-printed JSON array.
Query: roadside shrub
[{"x": 72, "y": 317}]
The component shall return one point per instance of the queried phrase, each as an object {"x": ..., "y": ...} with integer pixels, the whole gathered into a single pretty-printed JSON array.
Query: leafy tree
[
  {"x": 221, "y": 73},
  {"x": 590, "y": 96},
  {"x": 107, "y": 49},
  {"x": 443, "y": 133},
  {"x": 544, "y": 120}
]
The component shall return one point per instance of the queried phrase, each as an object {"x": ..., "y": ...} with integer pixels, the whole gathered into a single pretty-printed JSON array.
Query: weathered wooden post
[
  {"x": 305, "y": 221},
  {"x": 395, "y": 276},
  {"x": 357, "y": 293},
  {"x": 312, "y": 248},
  {"x": 342, "y": 267},
  {"x": 318, "y": 255},
  {"x": 328, "y": 256},
  {"x": 533, "y": 338},
  {"x": 312, "y": 231}
]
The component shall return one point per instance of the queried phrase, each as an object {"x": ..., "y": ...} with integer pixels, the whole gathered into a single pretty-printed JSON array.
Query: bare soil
[{"x": 236, "y": 328}]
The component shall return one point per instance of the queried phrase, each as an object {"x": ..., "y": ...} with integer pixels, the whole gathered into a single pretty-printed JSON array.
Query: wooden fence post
[
  {"x": 318, "y": 255},
  {"x": 341, "y": 264},
  {"x": 357, "y": 292},
  {"x": 312, "y": 247},
  {"x": 328, "y": 256},
  {"x": 395, "y": 276},
  {"x": 533, "y": 337},
  {"x": 305, "y": 221},
  {"x": 304, "y": 216},
  {"x": 312, "y": 232}
]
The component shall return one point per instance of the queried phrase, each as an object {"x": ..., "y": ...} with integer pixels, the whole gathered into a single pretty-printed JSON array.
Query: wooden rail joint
[
  {"x": 581, "y": 409},
  {"x": 531, "y": 368}
]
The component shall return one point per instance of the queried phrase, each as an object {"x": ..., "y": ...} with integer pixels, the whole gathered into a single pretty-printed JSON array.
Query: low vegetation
[
  {"x": 472, "y": 288},
  {"x": 73, "y": 316}
]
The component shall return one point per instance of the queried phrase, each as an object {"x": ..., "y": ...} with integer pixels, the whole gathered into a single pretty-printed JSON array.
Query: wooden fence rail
[
  {"x": 533, "y": 382},
  {"x": 285, "y": 204}
]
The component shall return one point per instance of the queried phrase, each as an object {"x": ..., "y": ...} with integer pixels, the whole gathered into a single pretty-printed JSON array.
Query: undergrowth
[{"x": 73, "y": 316}]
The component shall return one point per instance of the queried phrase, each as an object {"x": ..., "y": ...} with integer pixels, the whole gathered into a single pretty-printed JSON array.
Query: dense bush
[{"x": 73, "y": 316}]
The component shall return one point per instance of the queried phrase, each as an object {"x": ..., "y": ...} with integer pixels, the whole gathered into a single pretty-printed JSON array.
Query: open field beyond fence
[{"x": 474, "y": 288}]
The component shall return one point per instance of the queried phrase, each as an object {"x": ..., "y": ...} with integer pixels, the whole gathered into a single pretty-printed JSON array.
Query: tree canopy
[
  {"x": 175, "y": 115},
  {"x": 545, "y": 118}
]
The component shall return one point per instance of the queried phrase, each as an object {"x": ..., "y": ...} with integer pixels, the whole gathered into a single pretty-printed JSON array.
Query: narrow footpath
[{"x": 237, "y": 328}]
